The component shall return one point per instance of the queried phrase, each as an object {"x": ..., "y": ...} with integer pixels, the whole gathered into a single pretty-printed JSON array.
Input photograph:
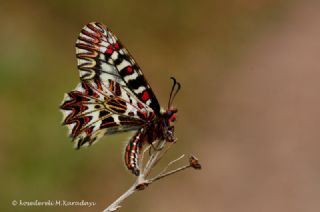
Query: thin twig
[
  {"x": 170, "y": 164},
  {"x": 193, "y": 162},
  {"x": 154, "y": 158},
  {"x": 164, "y": 151},
  {"x": 116, "y": 204},
  {"x": 168, "y": 173},
  {"x": 142, "y": 157}
]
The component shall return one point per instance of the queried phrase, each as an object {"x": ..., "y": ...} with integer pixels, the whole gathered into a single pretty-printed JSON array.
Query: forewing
[{"x": 102, "y": 56}]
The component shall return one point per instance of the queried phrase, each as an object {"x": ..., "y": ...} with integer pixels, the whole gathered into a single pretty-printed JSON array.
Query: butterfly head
[{"x": 170, "y": 115}]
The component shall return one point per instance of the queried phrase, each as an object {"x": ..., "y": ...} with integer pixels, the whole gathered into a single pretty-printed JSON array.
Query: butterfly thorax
[{"x": 161, "y": 127}]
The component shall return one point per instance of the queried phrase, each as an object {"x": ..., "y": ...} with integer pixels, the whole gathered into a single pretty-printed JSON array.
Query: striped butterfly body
[{"x": 113, "y": 96}]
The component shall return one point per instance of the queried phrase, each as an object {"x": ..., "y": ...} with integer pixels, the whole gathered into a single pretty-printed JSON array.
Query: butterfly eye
[{"x": 169, "y": 114}]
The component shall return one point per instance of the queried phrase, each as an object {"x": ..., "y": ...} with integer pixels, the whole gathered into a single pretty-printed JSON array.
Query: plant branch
[{"x": 142, "y": 182}]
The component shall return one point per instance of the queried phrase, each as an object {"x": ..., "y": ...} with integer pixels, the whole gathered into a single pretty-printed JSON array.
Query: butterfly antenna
[
  {"x": 172, "y": 89},
  {"x": 177, "y": 90}
]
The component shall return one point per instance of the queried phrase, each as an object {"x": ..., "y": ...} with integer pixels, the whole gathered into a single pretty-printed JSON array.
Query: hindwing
[{"x": 93, "y": 109}]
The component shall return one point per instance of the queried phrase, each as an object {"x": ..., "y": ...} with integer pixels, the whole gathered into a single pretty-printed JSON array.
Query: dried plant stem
[
  {"x": 154, "y": 158},
  {"x": 142, "y": 182},
  {"x": 158, "y": 177},
  {"x": 116, "y": 204}
]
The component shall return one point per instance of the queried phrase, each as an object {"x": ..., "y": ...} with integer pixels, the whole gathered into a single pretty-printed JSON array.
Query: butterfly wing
[
  {"x": 102, "y": 56},
  {"x": 92, "y": 110},
  {"x": 113, "y": 95}
]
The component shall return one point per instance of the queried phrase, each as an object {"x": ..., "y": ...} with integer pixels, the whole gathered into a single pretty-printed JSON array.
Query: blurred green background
[{"x": 248, "y": 109}]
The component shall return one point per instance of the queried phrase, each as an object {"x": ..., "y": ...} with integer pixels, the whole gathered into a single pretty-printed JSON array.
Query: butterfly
[{"x": 113, "y": 96}]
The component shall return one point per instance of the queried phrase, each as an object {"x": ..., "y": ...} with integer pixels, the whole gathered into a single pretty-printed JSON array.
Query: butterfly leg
[
  {"x": 170, "y": 134},
  {"x": 155, "y": 147},
  {"x": 132, "y": 152}
]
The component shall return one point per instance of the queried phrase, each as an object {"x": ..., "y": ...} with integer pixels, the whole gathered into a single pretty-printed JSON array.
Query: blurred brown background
[{"x": 249, "y": 107}]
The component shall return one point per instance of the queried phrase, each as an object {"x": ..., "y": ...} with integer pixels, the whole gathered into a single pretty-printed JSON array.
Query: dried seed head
[{"x": 194, "y": 162}]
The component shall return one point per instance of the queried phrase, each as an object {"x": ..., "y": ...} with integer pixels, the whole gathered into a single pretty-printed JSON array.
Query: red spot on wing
[
  {"x": 142, "y": 115},
  {"x": 116, "y": 45},
  {"x": 86, "y": 119},
  {"x": 140, "y": 105},
  {"x": 89, "y": 130},
  {"x": 82, "y": 107},
  {"x": 145, "y": 96},
  {"x": 129, "y": 70},
  {"x": 109, "y": 50}
]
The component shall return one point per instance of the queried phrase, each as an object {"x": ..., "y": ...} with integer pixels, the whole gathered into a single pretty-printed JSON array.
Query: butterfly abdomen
[{"x": 132, "y": 152}]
